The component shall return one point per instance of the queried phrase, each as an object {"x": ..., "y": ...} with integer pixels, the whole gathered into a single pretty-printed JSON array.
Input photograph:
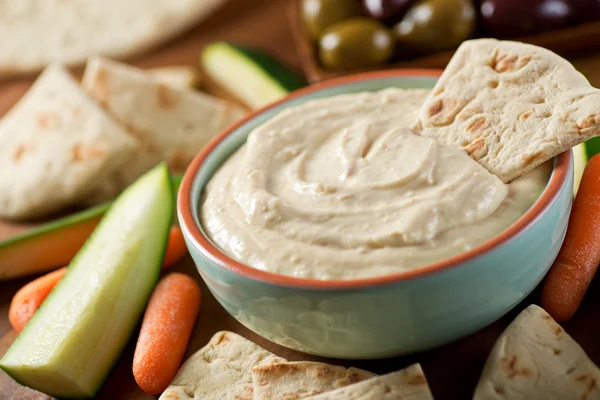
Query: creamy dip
[{"x": 339, "y": 188}]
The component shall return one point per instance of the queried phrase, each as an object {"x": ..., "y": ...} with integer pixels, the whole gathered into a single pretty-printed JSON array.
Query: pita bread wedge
[
  {"x": 170, "y": 124},
  {"x": 68, "y": 32},
  {"x": 407, "y": 384},
  {"x": 298, "y": 380},
  {"x": 510, "y": 105},
  {"x": 54, "y": 144},
  {"x": 220, "y": 370},
  {"x": 536, "y": 359}
]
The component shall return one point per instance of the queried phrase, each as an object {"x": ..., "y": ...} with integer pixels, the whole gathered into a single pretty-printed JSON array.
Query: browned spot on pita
[
  {"x": 511, "y": 368},
  {"x": 46, "y": 120},
  {"x": 493, "y": 84},
  {"x": 223, "y": 339},
  {"x": 417, "y": 379},
  {"x": 101, "y": 88},
  {"x": 131, "y": 128},
  {"x": 354, "y": 378},
  {"x": 476, "y": 125},
  {"x": 477, "y": 149},
  {"x": 249, "y": 391},
  {"x": 443, "y": 111},
  {"x": 468, "y": 112},
  {"x": 19, "y": 152},
  {"x": 556, "y": 328},
  {"x": 140, "y": 137},
  {"x": 436, "y": 108},
  {"x": 590, "y": 385},
  {"x": 80, "y": 152},
  {"x": 165, "y": 97},
  {"x": 556, "y": 351},
  {"x": 528, "y": 159},
  {"x": 387, "y": 389},
  {"x": 508, "y": 63},
  {"x": 590, "y": 121},
  {"x": 323, "y": 371},
  {"x": 526, "y": 114},
  {"x": 178, "y": 161},
  {"x": 499, "y": 389}
]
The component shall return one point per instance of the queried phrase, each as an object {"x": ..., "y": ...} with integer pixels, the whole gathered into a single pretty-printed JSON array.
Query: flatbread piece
[
  {"x": 510, "y": 105},
  {"x": 407, "y": 384},
  {"x": 170, "y": 124},
  {"x": 68, "y": 32},
  {"x": 535, "y": 358},
  {"x": 220, "y": 370},
  {"x": 301, "y": 379},
  {"x": 54, "y": 144}
]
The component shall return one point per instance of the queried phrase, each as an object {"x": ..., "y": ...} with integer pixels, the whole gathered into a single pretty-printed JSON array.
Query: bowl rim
[{"x": 217, "y": 256}]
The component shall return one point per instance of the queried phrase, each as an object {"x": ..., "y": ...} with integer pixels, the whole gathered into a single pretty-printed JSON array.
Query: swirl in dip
[{"x": 339, "y": 188}]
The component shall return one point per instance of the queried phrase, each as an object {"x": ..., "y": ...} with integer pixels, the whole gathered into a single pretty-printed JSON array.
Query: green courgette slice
[
  {"x": 254, "y": 77},
  {"x": 73, "y": 340}
]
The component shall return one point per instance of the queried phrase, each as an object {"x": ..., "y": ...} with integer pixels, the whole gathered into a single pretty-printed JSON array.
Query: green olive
[
  {"x": 320, "y": 14},
  {"x": 355, "y": 43},
  {"x": 434, "y": 25}
]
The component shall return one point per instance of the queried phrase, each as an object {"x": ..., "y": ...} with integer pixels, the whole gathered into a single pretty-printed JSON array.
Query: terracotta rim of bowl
[{"x": 214, "y": 254}]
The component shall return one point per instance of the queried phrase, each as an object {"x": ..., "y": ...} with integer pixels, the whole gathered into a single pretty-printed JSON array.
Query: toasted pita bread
[
  {"x": 68, "y": 32},
  {"x": 510, "y": 105},
  {"x": 536, "y": 359},
  {"x": 409, "y": 383},
  {"x": 298, "y": 380},
  {"x": 170, "y": 124},
  {"x": 54, "y": 144},
  {"x": 181, "y": 77},
  {"x": 220, "y": 370}
]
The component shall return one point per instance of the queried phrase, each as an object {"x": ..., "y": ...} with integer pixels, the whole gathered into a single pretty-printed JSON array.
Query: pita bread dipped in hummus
[
  {"x": 349, "y": 191},
  {"x": 535, "y": 358},
  {"x": 511, "y": 106}
]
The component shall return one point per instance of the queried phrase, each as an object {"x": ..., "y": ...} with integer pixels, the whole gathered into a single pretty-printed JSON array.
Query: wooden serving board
[{"x": 452, "y": 370}]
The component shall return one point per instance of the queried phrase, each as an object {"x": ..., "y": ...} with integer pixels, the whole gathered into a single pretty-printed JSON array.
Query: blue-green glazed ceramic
[{"x": 385, "y": 316}]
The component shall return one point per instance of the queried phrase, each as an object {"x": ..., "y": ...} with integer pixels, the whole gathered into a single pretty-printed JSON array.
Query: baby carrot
[
  {"x": 165, "y": 332},
  {"x": 29, "y": 298},
  {"x": 578, "y": 259},
  {"x": 176, "y": 248}
]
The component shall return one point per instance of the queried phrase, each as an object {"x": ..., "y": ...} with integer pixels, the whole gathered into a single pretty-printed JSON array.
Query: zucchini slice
[
  {"x": 74, "y": 339},
  {"x": 250, "y": 75}
]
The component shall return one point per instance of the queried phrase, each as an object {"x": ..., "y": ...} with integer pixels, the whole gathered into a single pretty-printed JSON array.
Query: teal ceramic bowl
[{"x": 383, "y": 316}]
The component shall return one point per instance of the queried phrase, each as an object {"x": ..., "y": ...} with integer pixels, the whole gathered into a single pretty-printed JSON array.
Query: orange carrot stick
[
  {"x": 176, "y": 248},
  {"x": 29, "y": 298},
  {"x": 165, "y": 332},
  {"x": 578, "y": 259}
]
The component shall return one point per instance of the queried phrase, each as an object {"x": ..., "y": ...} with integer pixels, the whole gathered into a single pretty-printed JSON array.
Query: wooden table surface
[{"x": 452, "y": 370}]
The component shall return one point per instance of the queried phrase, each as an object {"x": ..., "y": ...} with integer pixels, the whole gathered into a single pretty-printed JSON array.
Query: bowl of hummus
[{"x": 324, "y": 224}]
